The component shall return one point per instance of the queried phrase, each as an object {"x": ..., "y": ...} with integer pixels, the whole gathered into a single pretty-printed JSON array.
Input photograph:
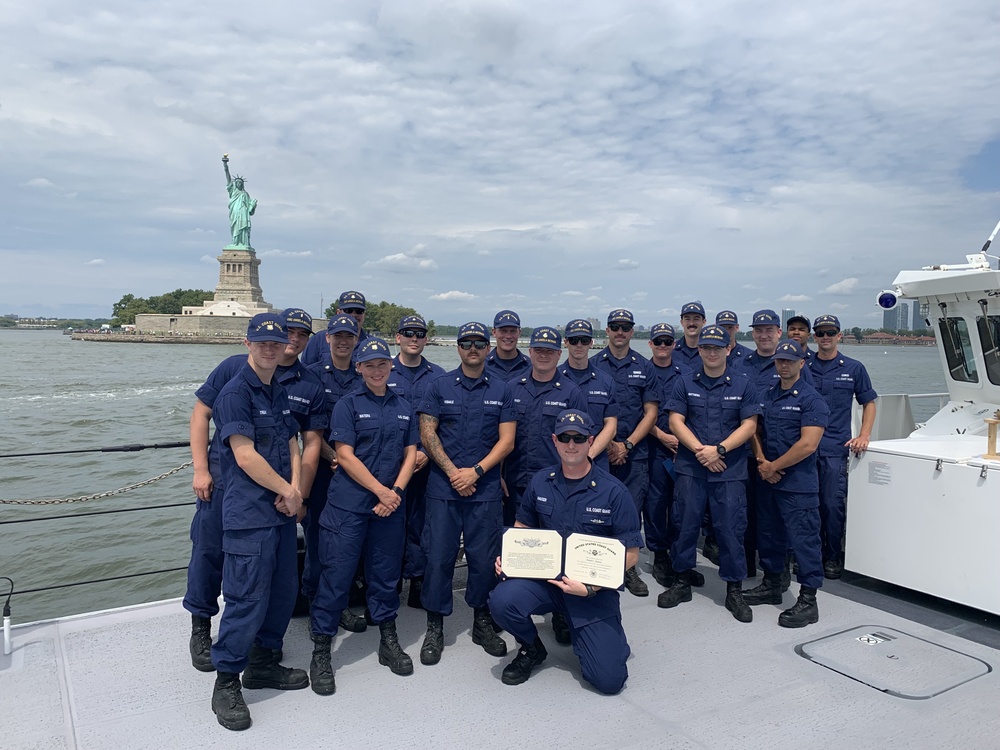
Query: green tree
[
  {"x": 856, "y": 333},
  {"x": 125, "y": 309}
]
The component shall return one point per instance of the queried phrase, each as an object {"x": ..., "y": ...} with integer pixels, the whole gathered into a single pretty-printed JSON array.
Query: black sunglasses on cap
[
  {"x": 577, "y": 340},
  {"x": 412, "y": 334},
  {"x": 467, "y": 344},
  {"x": 565, "y": 437}
]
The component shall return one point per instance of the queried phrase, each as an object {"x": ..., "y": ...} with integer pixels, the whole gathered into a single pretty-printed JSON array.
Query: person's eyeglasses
[
  {"x": 577, "y": 340},
  {"x": 566, "y": 438},
  {"x": 412, "y": 334},
  {"x": 478, "y": 343},
  {"x": 824, "y": 334},
  {"x": 353, "y": 311},
  {"x": 663, "y": 342},
  {"x": 616, "y": 327}
]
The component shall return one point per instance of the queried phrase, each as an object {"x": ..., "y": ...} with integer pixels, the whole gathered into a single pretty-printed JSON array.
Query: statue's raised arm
[{"x": 241, "y": 207}]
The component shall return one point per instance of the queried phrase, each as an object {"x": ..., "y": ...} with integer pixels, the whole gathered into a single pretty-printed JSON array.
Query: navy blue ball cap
[
  {"x": 267, "y": 327},
  {"x": 572, "y": 420},
  {"x": 789, "y": 349},
  {"x": 693, "y": 308},
  {"x": 412, "y": 323},
  {"x": 370, "y": 349},
  {"x": 766, "y": 318},
  {"x": 826, "y": 321},
  {"x": 726, "y": 318},
  {"x": 579, "y": 327},
  {"x": 506, "y": 318},
  {"x": 342, "y": 323},
  {"x": 348, "y": 300},
  {"x": 621, "y": 315},
  {"x": 713, "y": 336},
  {"x": 297, "y": 318},
  {"x": 798, "y": 319},
  {"x": 473, "y": 331},
  {"x": 660, "y": 330},
  {"x": 545, "y": 337}
]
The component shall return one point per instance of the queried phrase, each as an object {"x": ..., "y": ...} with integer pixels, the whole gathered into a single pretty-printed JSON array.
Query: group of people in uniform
[{"x": 393, "y": 465}]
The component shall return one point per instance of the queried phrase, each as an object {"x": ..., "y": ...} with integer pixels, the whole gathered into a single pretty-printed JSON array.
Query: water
[{"x": 59, "y": 394}]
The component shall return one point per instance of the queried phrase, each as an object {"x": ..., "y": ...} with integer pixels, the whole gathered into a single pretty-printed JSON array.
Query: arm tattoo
[{"x": 432, "y": 443}]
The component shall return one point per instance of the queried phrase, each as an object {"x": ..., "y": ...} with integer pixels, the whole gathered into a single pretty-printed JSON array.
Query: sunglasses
[
  {"x": 478, "y": 343},
  {"x": 577, "y": 340},
  {"x": 353, "y": 311},
  {"x": 663, "y": 342},
  {"x": 412, "y": 334},
  {"x": 567, "y": 438},
  {"x": 824, "y": 334},
  {"x": 616, "y": 327}
]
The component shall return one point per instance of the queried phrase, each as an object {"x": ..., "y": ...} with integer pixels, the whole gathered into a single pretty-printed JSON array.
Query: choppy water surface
[{"x": 59, "y": 394}]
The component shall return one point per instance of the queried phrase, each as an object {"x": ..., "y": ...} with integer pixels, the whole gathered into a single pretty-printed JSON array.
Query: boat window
[
  {"x": 958, "y": 350},
  {"x": 989, "y": 335}
]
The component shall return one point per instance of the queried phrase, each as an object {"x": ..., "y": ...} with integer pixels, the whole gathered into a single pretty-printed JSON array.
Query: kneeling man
[{"x": 573, "y": 497}]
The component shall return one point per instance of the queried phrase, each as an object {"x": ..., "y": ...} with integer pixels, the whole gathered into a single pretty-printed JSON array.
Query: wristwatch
[
  {"x": 591, "y": 590},
  {"x": 479, "y": 470},
  {"x": 629, "y": 445},
  {"x": 721, "y": 449},
  {"x": 398, "y": 490}
]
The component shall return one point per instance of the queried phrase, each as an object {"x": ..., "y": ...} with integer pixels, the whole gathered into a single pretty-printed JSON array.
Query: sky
[{"x": 556, "y": 158}]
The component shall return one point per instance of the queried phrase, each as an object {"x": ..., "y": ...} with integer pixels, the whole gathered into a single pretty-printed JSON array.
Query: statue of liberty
[{"x": 241, "y": 207}]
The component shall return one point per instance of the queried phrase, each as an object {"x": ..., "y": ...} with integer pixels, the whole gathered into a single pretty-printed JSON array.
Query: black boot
[
  {"x": 352, "y": 623},
  {"x": 413, "y": 597},
  {"x": 264, "y": 671},
  {"x": 561, "y": 628},
  {"x": 679, "y": 591},
  {"x": 484, "y": 635},
  {"x": 663, "y": 572},
  {"x": 430, "y": 651},
  {"x": 320, "y": 668},
  {"x": 200, "y": 644},
  {"x": 695, "y": 578},
  {"x": 767, "y": 592},
  {"x": 832, "y": 569},
  {"x": 635, "y": 585},
  {"x": 735, "y": 604},
  {"x": 711, "y": 550},
  {"x": 390, "y": 654},
  {"x": 528, "y": 657},
  {"x": 228, "y": 704},
  {"x": 803, "y": 612}
]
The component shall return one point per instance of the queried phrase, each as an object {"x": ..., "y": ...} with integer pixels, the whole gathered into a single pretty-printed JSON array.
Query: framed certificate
[
  {"x": 531, "y": 553},
  {"x": 597, "y": 560}
]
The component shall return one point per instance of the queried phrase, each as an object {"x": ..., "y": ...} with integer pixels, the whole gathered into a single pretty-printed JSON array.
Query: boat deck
[{"x": 698, "y": 679}]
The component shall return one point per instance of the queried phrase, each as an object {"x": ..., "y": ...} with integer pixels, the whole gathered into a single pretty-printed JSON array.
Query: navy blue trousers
[
  {"x": 349, "y": 536},
  {"x": 445, "y": 523},
  {"x": 658, "y": 515},
  {"x": 310, "y": 527},
  {"x": 414, "y": 559},
  {"x": 204, "y": 575},
  {"x": 601, "y": 645},
  {"x": 259, "y": 578},
  {"x": 728, "y": 506},
  {"x": 789, "y": 520},
  {"x": 832, "y": 505}
]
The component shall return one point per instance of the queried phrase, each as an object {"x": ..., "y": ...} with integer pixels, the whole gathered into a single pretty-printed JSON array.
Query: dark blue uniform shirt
[
  {"x": 599, "y": 505},
  {"x": 666, "y": 379},
  {"x": 247, "y": 407},
  {"x": 786, "y": 412},
  {"x": 600, "y": 390},
  {"x": 737, "y": 353},
  {"x": 538, "y": 405},
  {"x": 686, "y": 355},
  {"x": 306, "y": 396},
  {"x": 317, "y": 351},
  {"x": 713, "y": 411},
  {"x": 761, "y": 371},
  {"x": 469, "y": 414},
  {"x": 225, "y": 371},
  {"x": 336, "y": 384},
  {"x": 635, "y": 381},
  {"x": 378, "y": 428},
  {"x": 507, "y": 369},
  {"x": 840, "y": 380}
]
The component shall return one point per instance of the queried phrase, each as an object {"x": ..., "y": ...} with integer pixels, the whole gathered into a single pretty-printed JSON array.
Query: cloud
[
  {"x": 795, "y": 298},
  {"x": 571, "y": 294},
  {"x": 626, "y": 264},
  {"x": 286, "y": 254},
  {"x": 839, "y": 306},
  {"x": 842, "y": 287},
  {"x": 209, "y": 260},
  {"x": 39, "y": 182},
  {"x": 403, "y": 263},
  {"x": 95, "y": 262},
  {"x": 454, "y": 294}
]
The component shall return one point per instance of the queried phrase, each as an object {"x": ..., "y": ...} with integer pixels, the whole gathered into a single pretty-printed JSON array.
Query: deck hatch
[{"x": 894, "y": 662}]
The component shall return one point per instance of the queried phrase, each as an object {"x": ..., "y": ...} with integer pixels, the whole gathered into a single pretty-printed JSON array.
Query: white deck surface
[{"x": 698, "y": 679}]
